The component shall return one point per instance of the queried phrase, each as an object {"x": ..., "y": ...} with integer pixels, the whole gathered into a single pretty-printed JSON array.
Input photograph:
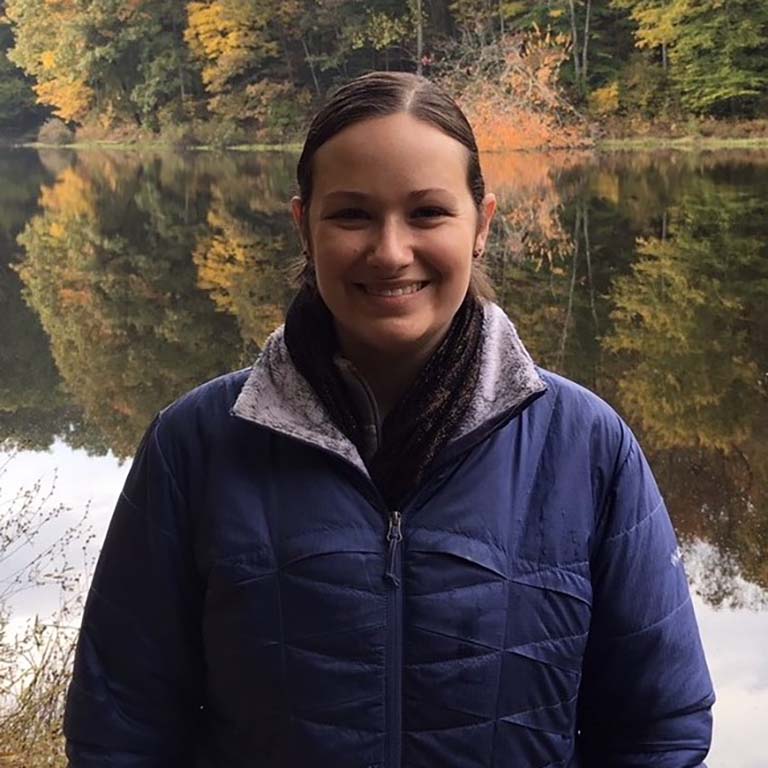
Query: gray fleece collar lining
[{"x": 278, "y": 397}]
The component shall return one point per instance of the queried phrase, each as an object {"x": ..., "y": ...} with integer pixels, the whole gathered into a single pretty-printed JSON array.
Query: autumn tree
[
  {"x": 511, "y": 94},
  {"x": 716, "y": 53},
  {"x": 703, "y": 282},
  {"x": 17, "y": 99},
  {"x": 117, "y": 60},
  {"x": 246, "y": 255},
  {"x": 239, "y": 264},
  {"x": 33, "y": 406},
  {"x": 49, "y": 49},
  {"x": 233, "y": 41},
  {"x": 107, "y": 268}
]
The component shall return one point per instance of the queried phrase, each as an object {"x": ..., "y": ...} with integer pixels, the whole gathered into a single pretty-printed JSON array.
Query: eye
[
  {"x": 349, "y": 213},
  {"x": 430, "y": 212}
]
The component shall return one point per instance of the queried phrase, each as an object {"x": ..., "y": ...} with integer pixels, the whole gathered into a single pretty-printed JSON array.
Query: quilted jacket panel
[{"x": 242, "y": 613}]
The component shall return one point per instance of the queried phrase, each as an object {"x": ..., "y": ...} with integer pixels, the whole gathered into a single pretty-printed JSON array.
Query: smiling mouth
[{"x": 400, "y": 290}]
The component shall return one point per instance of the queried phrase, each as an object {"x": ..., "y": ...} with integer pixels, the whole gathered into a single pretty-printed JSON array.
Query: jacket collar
[{"x": 278, "y": 397}]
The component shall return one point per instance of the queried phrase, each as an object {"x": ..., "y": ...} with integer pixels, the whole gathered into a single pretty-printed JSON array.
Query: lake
[{"x": 128, "y": 278}]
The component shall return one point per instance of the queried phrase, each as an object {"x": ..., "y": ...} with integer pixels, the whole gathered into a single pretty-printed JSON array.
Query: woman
[{"x": 394, "y": 541}]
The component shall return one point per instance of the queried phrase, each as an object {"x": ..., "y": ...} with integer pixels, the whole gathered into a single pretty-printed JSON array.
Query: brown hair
[{"x": 379, "y": 94}]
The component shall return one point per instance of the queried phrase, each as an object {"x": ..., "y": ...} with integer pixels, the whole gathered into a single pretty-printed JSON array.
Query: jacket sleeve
[
  {"x": 646, "y": 693},
  {"x": 137, "y": 685}
]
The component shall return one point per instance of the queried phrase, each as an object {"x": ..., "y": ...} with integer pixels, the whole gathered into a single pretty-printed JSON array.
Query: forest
[{"x": 224, "y": 72}]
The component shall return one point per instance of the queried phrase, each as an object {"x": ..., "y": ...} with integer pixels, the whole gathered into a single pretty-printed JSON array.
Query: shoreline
[
  {"x": 145, "y": 145},
  {"x": 689, "y": 143},
  {"x": 681, "y": 143}
]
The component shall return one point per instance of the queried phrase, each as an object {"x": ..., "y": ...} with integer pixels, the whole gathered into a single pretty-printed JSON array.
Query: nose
[{"x": 391, "y": 248}]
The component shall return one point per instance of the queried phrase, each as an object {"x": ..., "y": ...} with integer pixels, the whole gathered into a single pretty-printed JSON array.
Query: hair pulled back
[{"x": 379, "y": 94}]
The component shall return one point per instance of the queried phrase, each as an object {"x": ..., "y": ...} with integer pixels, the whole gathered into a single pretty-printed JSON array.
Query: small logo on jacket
[{"x": 676, "y": 557}]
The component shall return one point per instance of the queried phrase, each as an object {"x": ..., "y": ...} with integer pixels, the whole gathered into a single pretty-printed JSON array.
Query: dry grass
[
  {"x": 34, "y": 696},
  {"x": 36, "y": 662}
]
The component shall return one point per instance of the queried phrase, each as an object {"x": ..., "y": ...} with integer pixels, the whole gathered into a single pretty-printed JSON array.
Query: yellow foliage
[
  {"x": 607, "y": 186},
  {"x": 71, "y": 196},
  {"x": 675, "y": 387},
  {"x": 237, "y": 266},
  {"x": 70, "y": 98},
  {"x": 57, "y": 230},
  {"x": 226, "y": 39},
  {"x": 48, "y": 59},
  {"x": 208, "y": 30},
  {"x": 80, "y": 297},
  {"x": 605, "y": 101}
]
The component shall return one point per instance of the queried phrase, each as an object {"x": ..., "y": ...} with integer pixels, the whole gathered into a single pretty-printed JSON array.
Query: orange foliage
[
  {"x": 529, "y": 202},
  {"x": 511, "y": 96},
  {"x": 512, "y": 127},
  {"x": 75, "y": 297}
]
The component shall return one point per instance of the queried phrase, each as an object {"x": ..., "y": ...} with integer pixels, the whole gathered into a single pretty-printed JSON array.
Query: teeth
[{"x": 405, "y": 290}]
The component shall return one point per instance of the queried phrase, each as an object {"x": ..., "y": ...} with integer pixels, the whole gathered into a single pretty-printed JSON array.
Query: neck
[{"x": 389, "y": 373}]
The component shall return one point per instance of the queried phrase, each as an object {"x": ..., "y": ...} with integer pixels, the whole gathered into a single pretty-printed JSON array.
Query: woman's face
[{"x": 391, "y": 228}]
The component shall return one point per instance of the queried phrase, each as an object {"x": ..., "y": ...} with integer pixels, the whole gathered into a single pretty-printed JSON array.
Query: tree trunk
[
  {"x": 571, "y": 290},
  {"x": 664, "y": 56},
  {"x": 575, "y": 42},
  {"x": 419, "y": 38},
  {"x": 287, "y": 54},
  {"x": 586, "y": 45},
  {"x": 182, "y": 95},
  {"x": 588, "y": 254},
  {"x": 308, "y": 59},
  {"x": 501, "y": 17}
]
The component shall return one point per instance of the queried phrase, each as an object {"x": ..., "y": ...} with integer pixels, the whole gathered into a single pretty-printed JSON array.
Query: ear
[
  {"x": 297, "y": 212},
  {"x": 487, "y": 210}
]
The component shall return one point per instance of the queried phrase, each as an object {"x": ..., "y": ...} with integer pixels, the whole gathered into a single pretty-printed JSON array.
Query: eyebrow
[{"x": 355, "y": 195}]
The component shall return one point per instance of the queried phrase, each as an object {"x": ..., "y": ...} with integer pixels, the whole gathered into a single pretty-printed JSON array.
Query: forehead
[{"x": 396, "y": 153}]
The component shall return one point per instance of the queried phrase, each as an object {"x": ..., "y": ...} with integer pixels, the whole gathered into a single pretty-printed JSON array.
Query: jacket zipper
[
  {"x": 395, "y": 677},
  {"x": 393, "y": 574},
  {"x": 394, "y": 537}
]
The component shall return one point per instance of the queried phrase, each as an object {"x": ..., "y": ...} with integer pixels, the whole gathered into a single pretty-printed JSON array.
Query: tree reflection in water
[{"x": 642, "y": 276}]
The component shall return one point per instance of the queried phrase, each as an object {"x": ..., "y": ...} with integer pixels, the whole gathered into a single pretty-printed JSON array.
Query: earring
[{"x": 477, "y": 253}]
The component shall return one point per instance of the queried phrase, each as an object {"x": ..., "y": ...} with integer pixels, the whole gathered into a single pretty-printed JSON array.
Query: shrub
[
  {"x": 604, "y": 101},
  {"x": 55, "y": 131},
  {"x": 510, "y": 92}
]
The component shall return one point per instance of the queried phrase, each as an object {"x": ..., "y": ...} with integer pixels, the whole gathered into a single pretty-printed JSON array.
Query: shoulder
[
  {"x": 204, "y": 406},
  {"x": 581, "y": 424},
  {"x": 191, "y": 427},
  {"x": 509, "y": 378},
  {"x": 578, "y": 404}
]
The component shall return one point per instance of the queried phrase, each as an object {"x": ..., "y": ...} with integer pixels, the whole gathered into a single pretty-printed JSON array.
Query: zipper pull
[{"x": 394, "y": 537}]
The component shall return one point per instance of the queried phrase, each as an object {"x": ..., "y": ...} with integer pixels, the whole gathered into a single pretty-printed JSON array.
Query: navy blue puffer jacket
[{"x": 256, "y": 604}]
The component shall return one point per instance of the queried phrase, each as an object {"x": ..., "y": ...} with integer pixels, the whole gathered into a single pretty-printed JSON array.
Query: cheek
[
  {"x": 337, "y": 241},
  {"x": 451, "y": 249},
  {"x": 333, "y": 256},
  {"x": 454, "y": 263}
]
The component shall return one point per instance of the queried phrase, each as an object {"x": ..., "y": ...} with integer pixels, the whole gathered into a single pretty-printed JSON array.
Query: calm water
[{"x": 125, "y": 280}]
